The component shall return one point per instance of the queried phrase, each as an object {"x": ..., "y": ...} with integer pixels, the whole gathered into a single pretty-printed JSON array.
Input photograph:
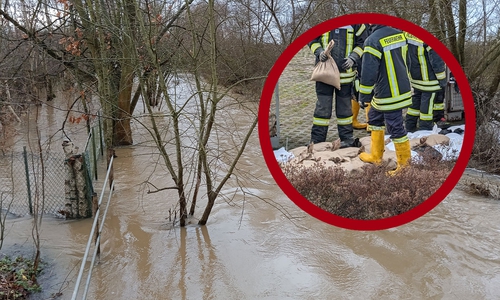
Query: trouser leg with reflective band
[
  {"x": 413, "y": 112},
  {"x": 322, "y": 112},
  {"x": 426, "y": 110},
  {"x": 438, "y": 109},
  {"x": 343, "y": 112},
  {"x": 392, "y": 120},
  {"x": 395, "y": 125}
]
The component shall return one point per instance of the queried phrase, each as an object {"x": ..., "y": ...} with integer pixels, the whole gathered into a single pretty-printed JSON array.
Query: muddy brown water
[{"x": 252, "y": 250}]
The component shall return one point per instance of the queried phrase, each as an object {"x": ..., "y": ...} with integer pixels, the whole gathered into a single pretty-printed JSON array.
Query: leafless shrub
[
  {"x": 486, "y": 149},
  {"x": 482, "y": 187},
  {"x": 369, "y": 193}
]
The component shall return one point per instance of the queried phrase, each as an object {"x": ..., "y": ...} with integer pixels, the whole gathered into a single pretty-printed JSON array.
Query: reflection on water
[{"x": 250, "y": 250}]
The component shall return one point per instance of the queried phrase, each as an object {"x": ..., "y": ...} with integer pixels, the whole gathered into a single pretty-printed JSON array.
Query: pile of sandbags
[{"x": 330, "y": 154}]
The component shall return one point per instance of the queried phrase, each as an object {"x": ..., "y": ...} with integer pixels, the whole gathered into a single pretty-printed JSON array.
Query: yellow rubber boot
[
  {"x": 377, "y": 148},
  {"x": 403, "y": 155},
  {"x": 367, "y": 110},
  {"x": 355, "y": 112}
]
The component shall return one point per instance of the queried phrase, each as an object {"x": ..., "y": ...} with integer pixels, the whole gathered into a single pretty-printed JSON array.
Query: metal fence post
[
  {"x": 275, "y": 140},
  {"x": 100, "y": 133},
  {"x": 89, "y": 186},
  {"x": 28, "y": 185},
  {"x": 277, "y": 95},
  {"x": 94, "y": 153}
]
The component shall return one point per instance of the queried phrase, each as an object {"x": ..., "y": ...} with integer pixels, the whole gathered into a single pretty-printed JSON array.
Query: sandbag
[{"x": 327, "y": 71}]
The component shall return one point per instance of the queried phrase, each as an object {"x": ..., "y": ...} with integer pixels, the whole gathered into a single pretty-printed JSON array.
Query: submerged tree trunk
[
  {"x": 183, "y": 208},
  {"x": 122, "y": 129},
  {"x": 208, "y": 209}
]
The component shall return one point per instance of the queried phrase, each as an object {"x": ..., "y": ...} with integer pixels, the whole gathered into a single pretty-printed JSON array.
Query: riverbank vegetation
[
  {"x": 486, "y": 150},
  {"x": 18, "y": 278},
  {"x": 369, "y": 193}
]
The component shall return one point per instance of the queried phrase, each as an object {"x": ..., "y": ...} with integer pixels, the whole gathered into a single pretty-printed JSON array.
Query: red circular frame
[{"x": 300, "y": 200}]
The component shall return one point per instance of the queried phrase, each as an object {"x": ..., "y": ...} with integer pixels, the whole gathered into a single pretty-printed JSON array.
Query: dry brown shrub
[
  {"x": 486, "y": 149},
  {"x": 369, "y": 193}
]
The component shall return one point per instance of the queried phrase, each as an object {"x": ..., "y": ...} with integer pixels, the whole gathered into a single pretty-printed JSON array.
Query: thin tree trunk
[
  {"x": 197, "y": 186},
  {"x": 434, "y": 25},
  {"x": 208, "y": 209},
  {"x": 122, "y": 130},
  {"x": 450, "y": 27},
  {"x": 462, "y": 28},
  {"x": 494, "y": 84}
]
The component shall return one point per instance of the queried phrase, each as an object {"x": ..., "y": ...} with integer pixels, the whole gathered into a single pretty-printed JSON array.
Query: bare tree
[{"x": 193, "y": 152}]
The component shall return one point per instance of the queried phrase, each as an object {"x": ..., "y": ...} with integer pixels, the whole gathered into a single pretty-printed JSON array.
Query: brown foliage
[
  {"x": 369, "y": 193},
  {"x": 486, "y": 149}
]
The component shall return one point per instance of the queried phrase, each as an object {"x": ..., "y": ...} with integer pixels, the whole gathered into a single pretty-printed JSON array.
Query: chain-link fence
[
  {"x": 28, "y": 179},
  {"x": 297, "y": 101},
  {"x": 94, "y": 148},
  {"x": 31, "y": 182}
]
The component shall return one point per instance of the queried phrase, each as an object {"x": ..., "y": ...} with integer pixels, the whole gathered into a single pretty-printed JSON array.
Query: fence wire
[
  {"x": 297, "y": 101},
  {"x": 26, "y": 187}
]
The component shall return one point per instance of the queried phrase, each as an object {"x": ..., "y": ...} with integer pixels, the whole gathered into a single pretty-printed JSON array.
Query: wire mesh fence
[
  {"x": 297, "y": 101},
  {"x": 30, "y": 182},
  {"x": 33, "y": 182},
  {"x": 94, "y": 148}
]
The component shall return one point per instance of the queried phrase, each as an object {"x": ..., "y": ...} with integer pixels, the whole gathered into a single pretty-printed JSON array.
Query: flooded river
[{"x": 264, "y": 247}]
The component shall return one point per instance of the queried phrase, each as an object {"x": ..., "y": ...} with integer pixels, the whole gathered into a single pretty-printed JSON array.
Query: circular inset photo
[{"x": 366, "y": 126}]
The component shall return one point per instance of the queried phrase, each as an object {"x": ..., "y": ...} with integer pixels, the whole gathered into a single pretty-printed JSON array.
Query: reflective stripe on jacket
[
  {"x": 384, "y": 71},
  {"x": 348, "y": 39},
  {"x": 426, "y": 66}
]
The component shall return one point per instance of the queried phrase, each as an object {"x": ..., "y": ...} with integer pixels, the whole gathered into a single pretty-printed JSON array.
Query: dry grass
[{"x": 369, "y": 193}]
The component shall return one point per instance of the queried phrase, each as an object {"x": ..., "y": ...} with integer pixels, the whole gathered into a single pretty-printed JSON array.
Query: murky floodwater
[{"x": 250, "y": 249}]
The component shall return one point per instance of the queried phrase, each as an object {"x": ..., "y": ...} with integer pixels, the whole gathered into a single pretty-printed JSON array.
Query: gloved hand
[
  {"x": 348, "y": 63},
  {"x": 364, "y": 100},
  {"x": 321, "y": 54},
  {"x": 443, "y": 83},
  {"x": 323, "y": 57},
  {"x": 362, "y": 104}
]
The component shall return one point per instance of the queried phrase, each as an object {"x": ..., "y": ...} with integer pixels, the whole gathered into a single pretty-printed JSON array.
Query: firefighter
[
  {"x": 347, "y": 52},
  {"x": 428, "y": 77},
  {"x": 386, "y": 86}
]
